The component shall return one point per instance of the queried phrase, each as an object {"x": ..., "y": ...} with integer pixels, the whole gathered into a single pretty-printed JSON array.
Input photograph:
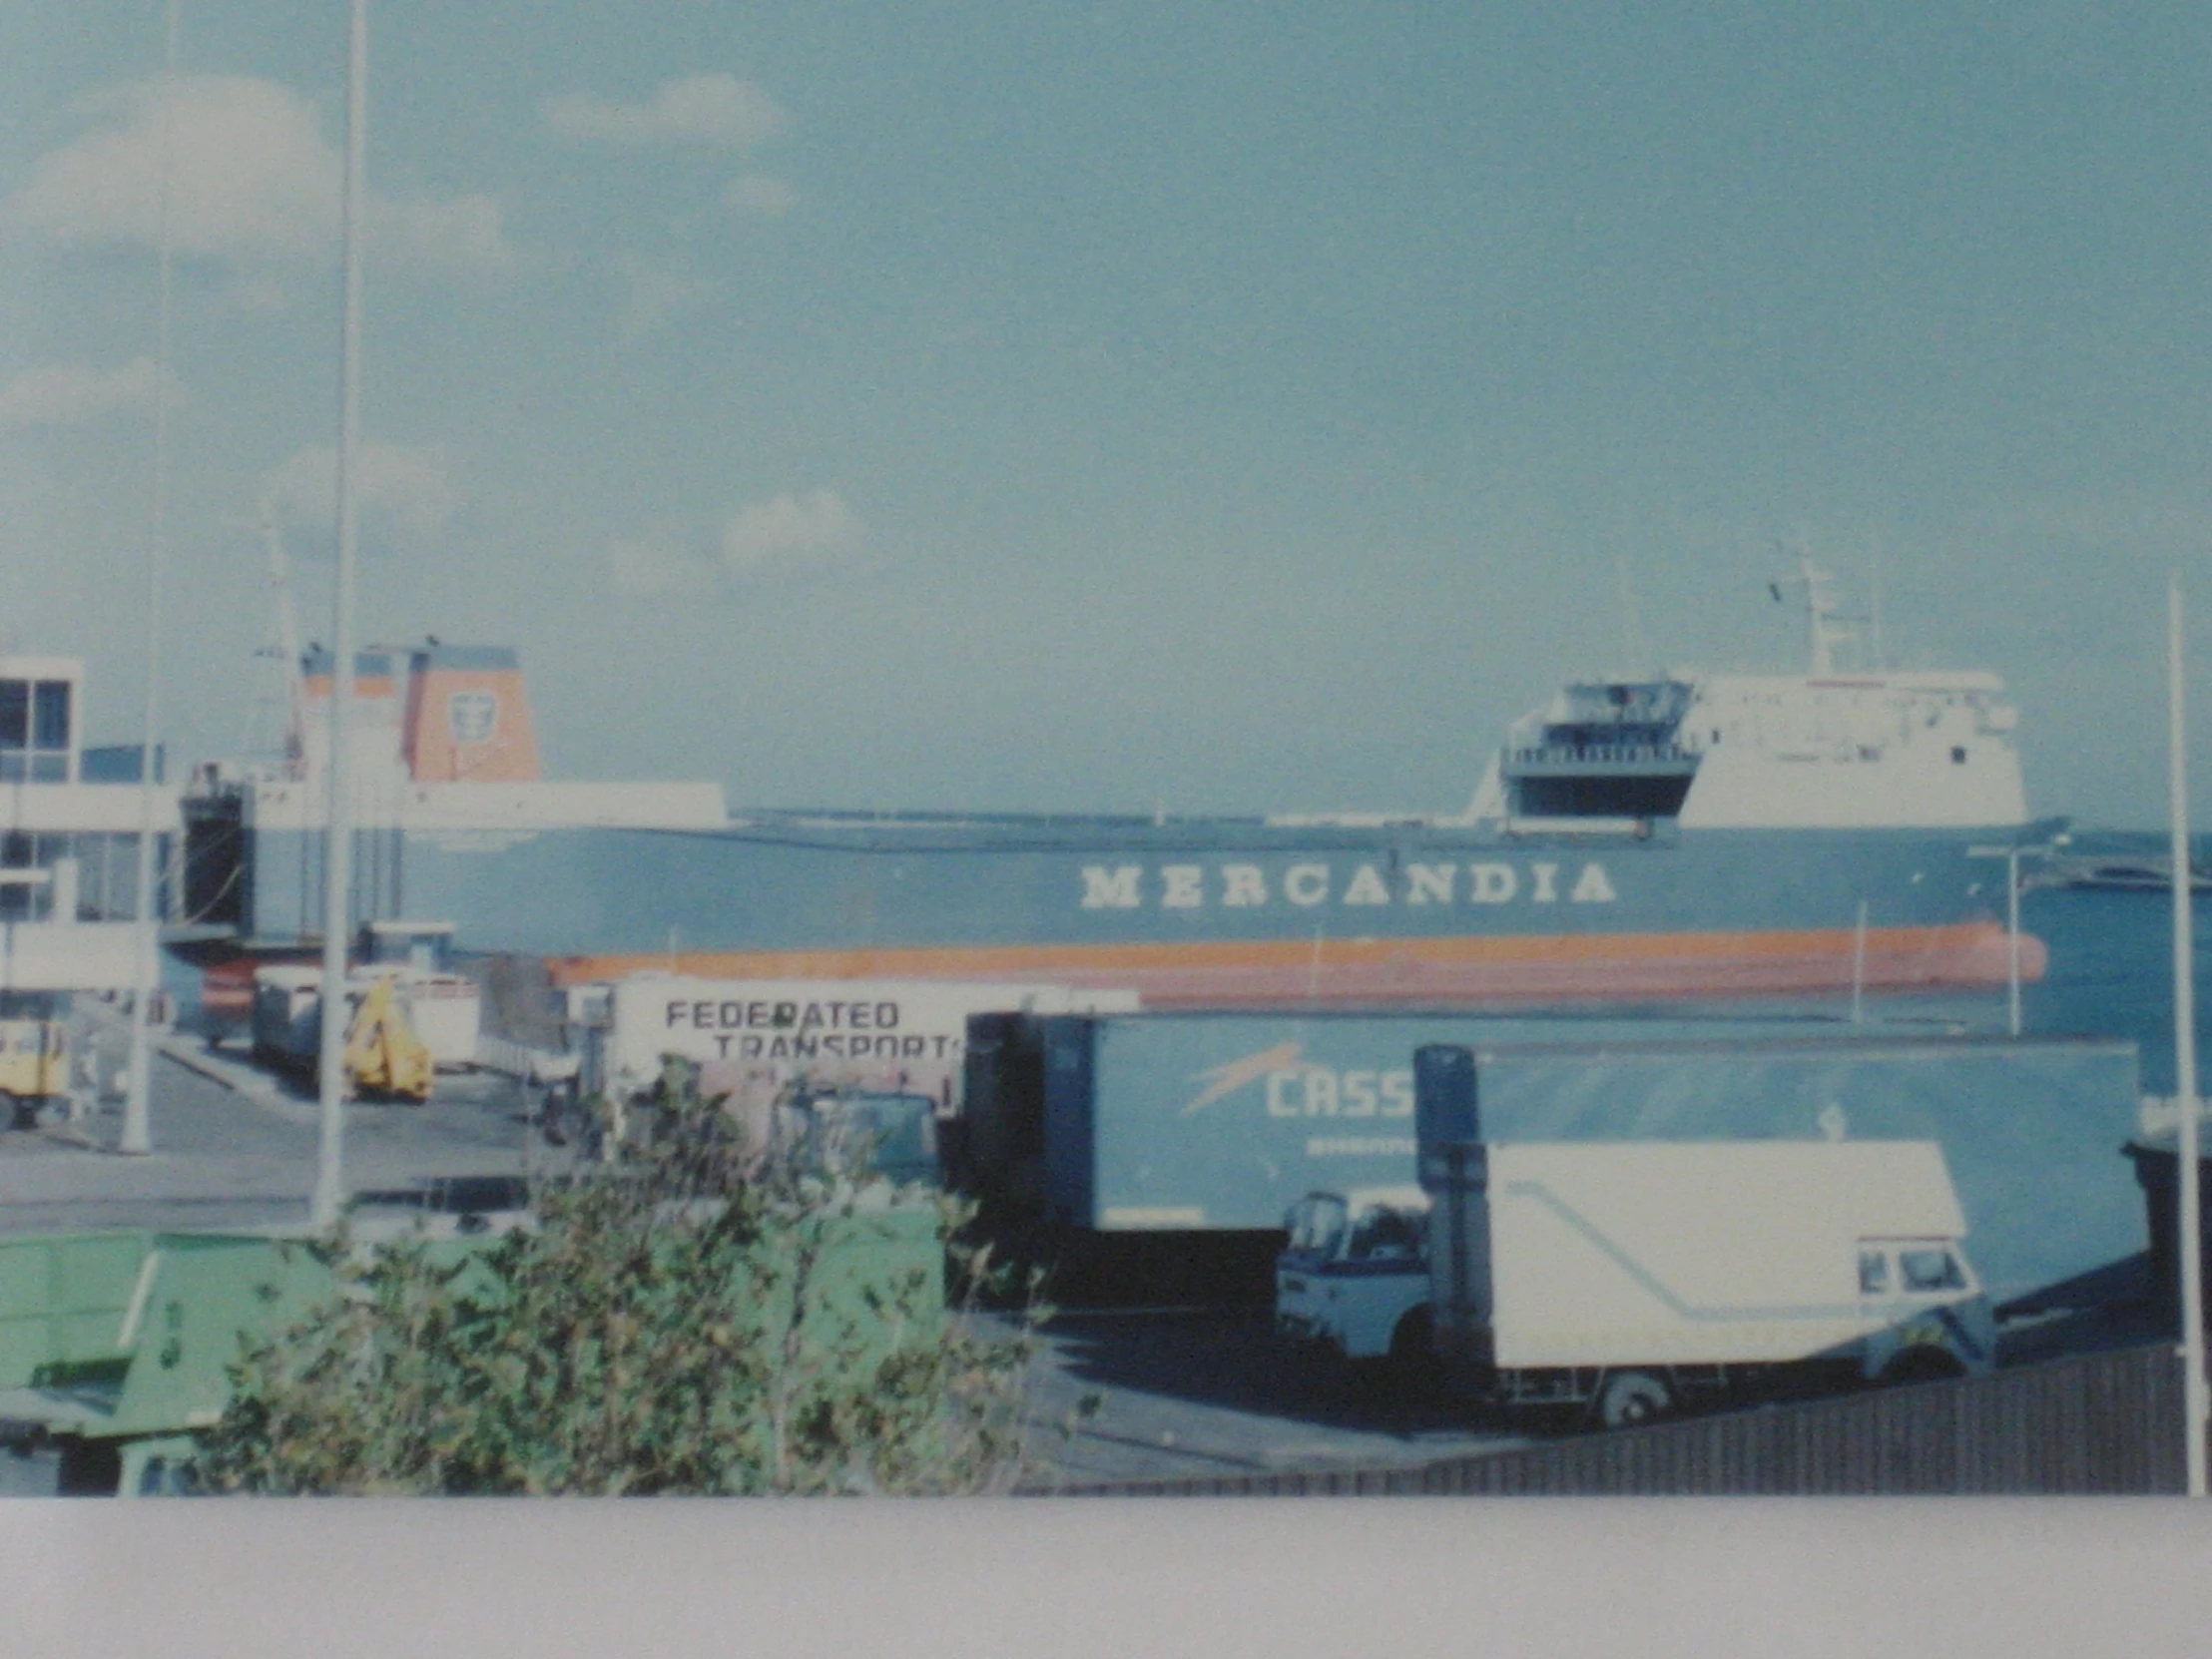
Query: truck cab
[
  {"x": 868, "y": 1136},
  {"x": 1935, "y": 1316},
  {"x": 1354, "y": 1274}
]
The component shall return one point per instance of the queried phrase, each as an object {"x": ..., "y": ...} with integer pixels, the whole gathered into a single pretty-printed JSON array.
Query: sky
[{"x": 1204, "y": 406}]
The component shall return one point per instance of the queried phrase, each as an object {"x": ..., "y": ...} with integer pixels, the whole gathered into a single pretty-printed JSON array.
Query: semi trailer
[{"x": 1196, "y": 1132}]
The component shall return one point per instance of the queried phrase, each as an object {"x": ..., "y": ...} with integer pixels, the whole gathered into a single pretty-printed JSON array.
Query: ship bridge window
[
  {"x": 1630, "y": 797},
  {"x": 34, "y": 731}
]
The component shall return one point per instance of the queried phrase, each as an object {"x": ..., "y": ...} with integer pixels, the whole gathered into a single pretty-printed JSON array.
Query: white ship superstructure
[{"x": 1823, "y": 750}]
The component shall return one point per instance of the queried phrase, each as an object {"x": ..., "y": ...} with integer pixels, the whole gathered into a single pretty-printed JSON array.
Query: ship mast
[
  {"x": 1824, "y": 628},
  {"x": 287, "y": 639}
]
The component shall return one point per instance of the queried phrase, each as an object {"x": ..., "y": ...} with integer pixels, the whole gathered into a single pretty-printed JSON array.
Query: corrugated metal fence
[
  {"x": 503, "y": 1054},
  {"x": 2106, "y": 1423}
]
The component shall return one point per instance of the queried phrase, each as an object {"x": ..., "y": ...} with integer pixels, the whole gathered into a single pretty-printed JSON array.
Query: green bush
[{"x": 693, "y": 1319}]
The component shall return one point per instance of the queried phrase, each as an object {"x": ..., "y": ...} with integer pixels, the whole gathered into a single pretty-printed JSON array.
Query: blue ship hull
[{"x": 1201, "y": 912}]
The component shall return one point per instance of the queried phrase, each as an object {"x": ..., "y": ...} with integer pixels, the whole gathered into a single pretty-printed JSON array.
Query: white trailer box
[
  {"x": 444, "y": 1010},
  {"x": 1623, "y": 1274}
]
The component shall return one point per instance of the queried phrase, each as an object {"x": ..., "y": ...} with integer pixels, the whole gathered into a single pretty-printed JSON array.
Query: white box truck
[
  {"x": 443, "y": 1011},
  {"x": 1622, "y": 1277},
  {"x": 1353, "y": 1277}
]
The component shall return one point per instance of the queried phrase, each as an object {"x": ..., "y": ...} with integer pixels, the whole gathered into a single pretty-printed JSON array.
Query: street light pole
[
  {"x": 337, "y": 861},
  {"x": 138, "y": 1135},
  {"x": 2194, "y": 1403},
  {"x": 2013, "y": 855},
  {"x": 1858, "y": 965},
  {"x": 2012, "y": 937}
]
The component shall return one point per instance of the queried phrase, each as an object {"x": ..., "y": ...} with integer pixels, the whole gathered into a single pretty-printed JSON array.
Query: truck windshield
[
  {"x": 1384, "y": 1234},
  {"x": 1929, "y": 1270},
  {"x": 1317, "y": 1225},
  {"x": 889, "y": 1136},
  {"x": 1914, "y": 1268}
]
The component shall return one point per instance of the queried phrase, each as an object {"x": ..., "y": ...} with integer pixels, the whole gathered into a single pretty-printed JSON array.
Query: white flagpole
[
  {"x": 2194, "y": 1402},
  {"x": 138, "y": 1135},
  {"x": 337, "y": 862},
  {"x": 1858, "y": 965},
  {"x": 2013, "y": 938}
]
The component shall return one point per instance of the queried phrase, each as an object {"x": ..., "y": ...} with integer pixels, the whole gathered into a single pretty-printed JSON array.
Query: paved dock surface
[
  {"x": 233, "y": 1147},
  {"x": 1203, "y": 1392}
]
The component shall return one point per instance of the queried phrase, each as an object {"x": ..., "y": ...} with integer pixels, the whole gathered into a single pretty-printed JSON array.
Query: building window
[
  {"x": 34, "y": 731},
  {"x": 50, "y": 714}
]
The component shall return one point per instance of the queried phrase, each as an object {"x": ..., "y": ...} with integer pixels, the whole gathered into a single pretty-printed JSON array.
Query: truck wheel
[
  {"x": 21, "y": 1114},
  {"x": 1631, "y": 1398},
  {"x": 1414, "y": 1362},
  {"x": 1920, "y": 1364}
]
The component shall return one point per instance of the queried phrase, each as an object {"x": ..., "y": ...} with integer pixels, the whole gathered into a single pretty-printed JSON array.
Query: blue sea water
[
  {"x": 2111, "y": 975},
  {"x": 2110, "y": 972}
]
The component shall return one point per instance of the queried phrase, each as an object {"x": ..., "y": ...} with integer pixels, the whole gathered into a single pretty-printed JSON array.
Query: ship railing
[
  {"x": 1605, "y": 829},
  {"x": 1603, "y": 755}
]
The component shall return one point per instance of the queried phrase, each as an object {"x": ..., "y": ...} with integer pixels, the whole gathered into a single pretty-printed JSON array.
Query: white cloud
[
  {"x": 654, "y": 293},
  {"x": 407, "y": 495},
  {"x": 792, "y": 537},
  {"x": 718, "y": 110},
  {"x": 69, "y": 394},
  {"x": 462, "y": 234},
  {"x": 788, "y": 540},
  {"x": 652, "y": 570},
  {"x": 257, "y": 292},
  {"x": 254, "y": 179},
  {"x": 752, "y": 193}
]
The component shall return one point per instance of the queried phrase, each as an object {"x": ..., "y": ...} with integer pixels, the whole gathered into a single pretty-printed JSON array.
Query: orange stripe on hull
[{"x": 1540, "y": 967}]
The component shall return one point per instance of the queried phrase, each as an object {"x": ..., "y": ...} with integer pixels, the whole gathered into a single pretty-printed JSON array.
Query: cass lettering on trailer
[{"x": 1292, "y": 1086}]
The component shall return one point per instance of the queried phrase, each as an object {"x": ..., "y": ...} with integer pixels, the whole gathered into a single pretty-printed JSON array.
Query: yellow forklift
[
  {"x": 384, "y": 1056},
  {"x": 34, "y": 1067}
]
